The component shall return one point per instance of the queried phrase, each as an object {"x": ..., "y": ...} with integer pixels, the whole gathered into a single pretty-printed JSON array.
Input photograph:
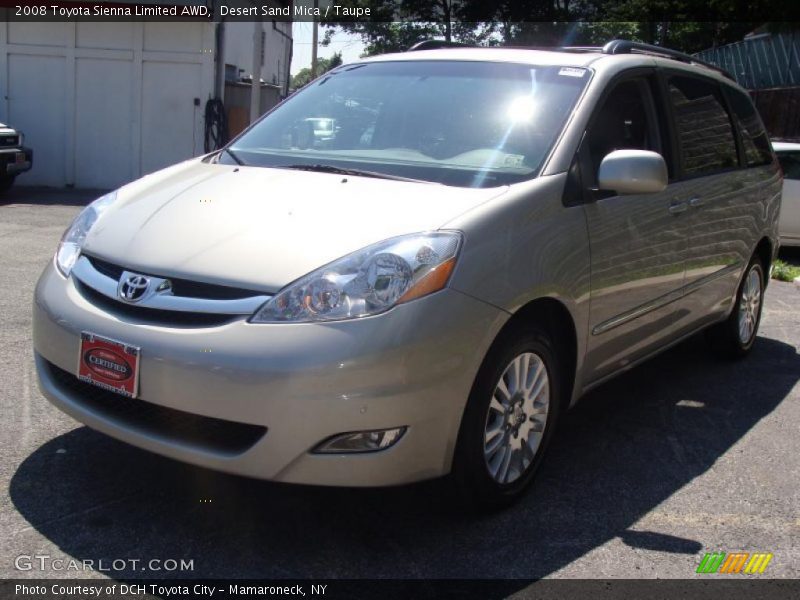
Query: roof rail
[
  {"x": 439, "y": 44},
  {"x": 629, "y": 47},
  {"x": 576, "y": 48},
  {"x": 436, "y": 45}
]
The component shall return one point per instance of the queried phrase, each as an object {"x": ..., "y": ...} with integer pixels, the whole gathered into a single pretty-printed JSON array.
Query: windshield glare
[{"x": 469, "y": 124}]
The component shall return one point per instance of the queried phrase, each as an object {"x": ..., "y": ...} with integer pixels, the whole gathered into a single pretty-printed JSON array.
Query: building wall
[
  {"x": 104, "y": 103},
  {"x": 276, "y": 53},
  {"x": 762, "y": 61}
]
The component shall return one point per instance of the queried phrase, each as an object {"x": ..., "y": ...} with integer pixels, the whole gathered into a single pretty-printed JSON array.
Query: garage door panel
[
  {"x": 111, "y": 36},
  {"x": 36, "y": 33},
  {"x": 103, "y": 133},
  {"x": 35, "y": 106},
  {"x": 170, "y": 121},
  {"x": 101, "y": 113}
]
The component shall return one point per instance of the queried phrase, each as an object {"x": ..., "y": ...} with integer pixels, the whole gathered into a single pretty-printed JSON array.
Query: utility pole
[
  {"x": 255, "y": 89},
  {"x": 448, "y": 24},
  {"x": 314, "y": 39}
]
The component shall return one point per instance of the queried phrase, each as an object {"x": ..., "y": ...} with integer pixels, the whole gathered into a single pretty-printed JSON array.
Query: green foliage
[
  {"x": 395, "y": 25},
  {"x": 783, "y": 271},
  {"x": 323, "y": 66}
]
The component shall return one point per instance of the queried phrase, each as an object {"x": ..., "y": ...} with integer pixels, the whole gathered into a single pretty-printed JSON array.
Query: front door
[{"x": 638, "y": 242}]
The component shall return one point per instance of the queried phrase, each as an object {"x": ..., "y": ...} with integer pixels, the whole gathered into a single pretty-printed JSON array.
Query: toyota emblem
[{"x": 133, "y": 287}]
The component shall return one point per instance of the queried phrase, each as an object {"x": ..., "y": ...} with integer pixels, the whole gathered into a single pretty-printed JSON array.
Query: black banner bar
[
  {"x": 703, "y": 588},
  {"x": 395, "y": 11}
]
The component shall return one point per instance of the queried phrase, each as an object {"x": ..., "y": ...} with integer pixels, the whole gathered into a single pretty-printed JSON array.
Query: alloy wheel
[
  {"x": 749, "y": 305},
  {"x": 516, "y": 418}
]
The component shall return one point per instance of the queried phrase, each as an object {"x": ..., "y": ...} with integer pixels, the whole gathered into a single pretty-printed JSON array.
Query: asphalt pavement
[{"x": 683, "y": 455}]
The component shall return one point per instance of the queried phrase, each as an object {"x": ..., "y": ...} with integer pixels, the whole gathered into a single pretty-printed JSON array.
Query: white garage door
[
  {"x": 104, "y": 103},
  {"x": 35, "y": 106}
]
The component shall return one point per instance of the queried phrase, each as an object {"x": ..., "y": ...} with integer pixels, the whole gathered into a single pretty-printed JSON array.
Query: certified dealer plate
[{"x": 109, "y": 364}]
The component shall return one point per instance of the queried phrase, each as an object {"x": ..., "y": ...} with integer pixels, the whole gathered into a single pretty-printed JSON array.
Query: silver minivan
[{"x": 412, "y": 267}]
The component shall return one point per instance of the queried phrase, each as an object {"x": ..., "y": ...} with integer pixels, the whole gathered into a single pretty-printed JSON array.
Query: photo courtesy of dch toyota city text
[{"x": 391, "y": 299}]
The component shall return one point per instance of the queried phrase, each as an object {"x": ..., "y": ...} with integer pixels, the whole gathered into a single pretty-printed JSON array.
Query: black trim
[
  {"x": 180, "y": 287},
  {"x": 152, "y": 316},
  {"x": 206, "y": 433}
]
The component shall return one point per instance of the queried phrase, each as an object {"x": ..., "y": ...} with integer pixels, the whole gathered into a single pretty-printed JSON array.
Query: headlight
[
  {"x": 367, "y": 282},
  {"x": 72, "y": 241}
]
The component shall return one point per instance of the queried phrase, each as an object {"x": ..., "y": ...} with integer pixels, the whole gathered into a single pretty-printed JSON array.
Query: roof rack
[
  {"x": 613, "y": 47},
  {"x": 440, "y": 44},
  {"x": 436, "y": 45},
  {"x": 628, "y": 47}
]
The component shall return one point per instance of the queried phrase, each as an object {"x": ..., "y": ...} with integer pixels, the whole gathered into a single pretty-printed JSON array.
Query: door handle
[
  {"x": 696, "y": 201},
  {"x": 678, "y": 207}
]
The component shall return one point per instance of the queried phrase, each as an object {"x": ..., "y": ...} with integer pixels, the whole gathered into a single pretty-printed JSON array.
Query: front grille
[
  {"x": 169, "y": 318},
  {"x": 9, "y": 141},
  {"x": 180, "y": 287},
  {"x": 208, "y": 433}
]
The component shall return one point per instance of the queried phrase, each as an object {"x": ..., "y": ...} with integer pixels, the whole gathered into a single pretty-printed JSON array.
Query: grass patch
[{"x": 783, "y": 271}]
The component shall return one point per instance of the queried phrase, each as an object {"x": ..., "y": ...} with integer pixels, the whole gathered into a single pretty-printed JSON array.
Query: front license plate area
[{"x": 109, "y": 364}]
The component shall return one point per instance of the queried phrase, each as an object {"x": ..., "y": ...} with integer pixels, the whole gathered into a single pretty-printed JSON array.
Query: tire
[
  {"x": 5, "y": 184},
  {"x": 483, "y": 477},
  {"x": 735, "y": 337}
]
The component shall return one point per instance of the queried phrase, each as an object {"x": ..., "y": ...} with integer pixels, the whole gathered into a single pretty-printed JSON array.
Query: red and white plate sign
[{"x": 109, "y": 364}]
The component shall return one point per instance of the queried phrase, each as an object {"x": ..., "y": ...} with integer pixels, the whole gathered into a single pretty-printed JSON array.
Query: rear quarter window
[{"x": 755, "y": 142}]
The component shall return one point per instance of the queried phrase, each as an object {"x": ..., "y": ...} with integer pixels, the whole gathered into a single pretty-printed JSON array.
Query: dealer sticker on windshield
[
  {"x": 572, "y": 71},
  {"x": 109, "y": 364}
]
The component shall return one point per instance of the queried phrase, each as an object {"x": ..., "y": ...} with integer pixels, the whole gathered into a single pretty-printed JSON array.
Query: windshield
[{"x": 469, "y": 124}]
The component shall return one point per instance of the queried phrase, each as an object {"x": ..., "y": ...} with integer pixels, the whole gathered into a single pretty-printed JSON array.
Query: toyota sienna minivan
[{"x": 415, "y": 265}]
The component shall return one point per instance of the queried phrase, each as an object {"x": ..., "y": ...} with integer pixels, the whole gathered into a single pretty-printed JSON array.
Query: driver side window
[{"x": 623, "y": 122}]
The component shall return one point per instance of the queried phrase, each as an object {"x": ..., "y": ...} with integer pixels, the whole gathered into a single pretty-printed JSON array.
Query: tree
[
  {"x": 685, "y": 25},
  {"x": 396, "y": 25},
  {"x": 323, "y": 66}
]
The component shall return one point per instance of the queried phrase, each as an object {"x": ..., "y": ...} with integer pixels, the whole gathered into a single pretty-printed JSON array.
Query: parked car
[
  {"x": 485, "y": 235},
  {"x": 14, "y": 157},
  {"x": 789, "y": 157}
]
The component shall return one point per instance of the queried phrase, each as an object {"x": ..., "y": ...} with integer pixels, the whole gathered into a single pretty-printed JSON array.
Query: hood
[{"x": 262, "y": 228}]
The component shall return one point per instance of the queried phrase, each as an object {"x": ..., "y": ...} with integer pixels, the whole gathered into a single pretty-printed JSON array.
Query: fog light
[{"x": 361, "y": 441}]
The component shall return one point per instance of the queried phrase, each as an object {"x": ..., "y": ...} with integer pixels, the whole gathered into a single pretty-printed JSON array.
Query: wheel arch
[
  {"x": 764, "y": 250},
  {"x": 556, "y": 319}
]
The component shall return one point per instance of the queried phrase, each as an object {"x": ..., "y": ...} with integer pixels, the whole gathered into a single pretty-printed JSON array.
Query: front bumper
[
  {"x": 412, "y": 366},
  {"x": 14, "y": 161}
]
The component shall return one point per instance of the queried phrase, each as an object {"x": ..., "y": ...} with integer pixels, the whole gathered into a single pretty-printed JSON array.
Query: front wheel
[
  {"x": 735, "y": 336},
  {"x": 509, "y": 420}
]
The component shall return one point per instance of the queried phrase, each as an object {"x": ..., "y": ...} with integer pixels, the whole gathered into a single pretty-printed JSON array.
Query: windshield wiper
[
  {"x": 233, "y": 155},
  {"x": 354, "y": 172}
]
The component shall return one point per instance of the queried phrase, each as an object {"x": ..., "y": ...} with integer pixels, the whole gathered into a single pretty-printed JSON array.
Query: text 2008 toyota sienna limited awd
[{"x": 415, "y": 265}]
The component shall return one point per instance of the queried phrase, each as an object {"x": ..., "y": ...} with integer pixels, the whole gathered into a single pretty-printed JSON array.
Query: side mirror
[{"x": 633, "y": 172}]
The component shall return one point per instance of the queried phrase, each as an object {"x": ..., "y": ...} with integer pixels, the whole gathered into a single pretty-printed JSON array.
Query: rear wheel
[
  {"x": 509, "y": 420},
  {"x": 735, "y": 336}
]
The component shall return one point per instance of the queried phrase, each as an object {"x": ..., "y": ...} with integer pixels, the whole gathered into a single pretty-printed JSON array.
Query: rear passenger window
[
  {"x": 790, "y": 163},
  {"x": 704, "y": 129},
  {"x": 754, "y": 139}
]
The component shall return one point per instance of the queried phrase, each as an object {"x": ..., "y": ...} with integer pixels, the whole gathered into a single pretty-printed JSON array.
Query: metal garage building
[{"x": 104, "y": 103}]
